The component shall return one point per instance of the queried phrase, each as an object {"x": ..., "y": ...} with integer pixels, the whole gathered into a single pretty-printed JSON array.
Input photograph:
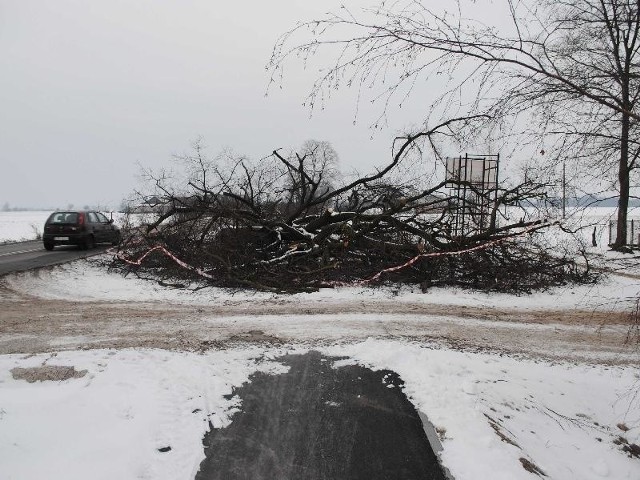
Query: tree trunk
[
  {"x": 623, "y": 206},
  {"x": 623, "y": 181}
]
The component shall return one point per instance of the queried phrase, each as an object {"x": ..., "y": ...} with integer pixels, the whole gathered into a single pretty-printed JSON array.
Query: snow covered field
[
  {"x": 26, "y": 225},
  {"x": 19, "y": 226},
  {"x": 495, "y": 413}
]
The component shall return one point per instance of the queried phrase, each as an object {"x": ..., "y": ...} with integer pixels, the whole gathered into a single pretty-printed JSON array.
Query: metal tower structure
[{"x": 473, "y": 183}]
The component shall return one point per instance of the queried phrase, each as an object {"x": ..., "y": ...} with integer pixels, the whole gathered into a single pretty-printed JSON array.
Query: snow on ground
[
  {"x": 603, "y": 220},
  {"x": 110, "y": 423},
  {"x": 19, "y": 226},
  {"x": 88, "y": 281},
  {"x": 562, "y": 418},
  {"x": 131, "y": 403}
]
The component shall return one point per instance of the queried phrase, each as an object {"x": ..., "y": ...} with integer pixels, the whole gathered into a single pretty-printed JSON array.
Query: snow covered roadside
[
  {"x": 87, "y": 281},
  {"x": 111, "y": 423},
  {"x": 491, "y": 411}
]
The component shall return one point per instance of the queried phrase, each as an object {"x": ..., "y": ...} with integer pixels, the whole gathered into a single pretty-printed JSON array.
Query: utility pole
[{"x": 564, "y": 189}]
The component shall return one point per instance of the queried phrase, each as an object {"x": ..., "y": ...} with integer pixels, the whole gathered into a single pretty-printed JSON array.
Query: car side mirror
[{"x": 110, "y": 220}]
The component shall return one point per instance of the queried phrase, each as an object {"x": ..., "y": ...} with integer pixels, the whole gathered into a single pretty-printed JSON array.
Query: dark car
[{"x": 82, "y": 228}]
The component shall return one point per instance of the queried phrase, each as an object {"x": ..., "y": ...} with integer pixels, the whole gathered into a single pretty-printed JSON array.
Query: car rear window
[{"x": 63, "y": 217}]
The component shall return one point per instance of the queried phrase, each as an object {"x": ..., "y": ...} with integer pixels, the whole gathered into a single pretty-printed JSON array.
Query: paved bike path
[{"x": 320, "y": 422}]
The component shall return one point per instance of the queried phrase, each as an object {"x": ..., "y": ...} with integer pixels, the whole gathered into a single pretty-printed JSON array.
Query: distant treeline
[
  {"x": 593, "y": 201},
  {"x": 8, "y": 208}
]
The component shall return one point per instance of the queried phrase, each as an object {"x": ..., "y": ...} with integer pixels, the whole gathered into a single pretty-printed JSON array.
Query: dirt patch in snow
[
  {"x": 33, "y": 325},
  {"x": 45, "y": 373}
]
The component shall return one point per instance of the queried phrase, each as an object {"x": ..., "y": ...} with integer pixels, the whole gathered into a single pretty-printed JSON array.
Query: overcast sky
[{"x": 90, "y": 90}]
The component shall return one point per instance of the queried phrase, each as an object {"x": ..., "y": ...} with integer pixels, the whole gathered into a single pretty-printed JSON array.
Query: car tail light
[{"x": 81, "y": 219}]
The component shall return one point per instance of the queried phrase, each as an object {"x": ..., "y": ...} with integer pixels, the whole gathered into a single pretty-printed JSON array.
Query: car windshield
[{"x": 63, "y": 217}]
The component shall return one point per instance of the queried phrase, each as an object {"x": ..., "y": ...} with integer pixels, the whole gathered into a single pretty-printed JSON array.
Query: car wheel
[
  {"x": 88, "y": 243},
  {"x": 48, "y": 246}
]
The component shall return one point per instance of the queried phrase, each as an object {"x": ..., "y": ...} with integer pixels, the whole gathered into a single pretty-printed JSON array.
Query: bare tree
[
  {"x": 570, "y": 65},
  {"x": 236, "y": 225},
  {"x": 310, "y": 173}
]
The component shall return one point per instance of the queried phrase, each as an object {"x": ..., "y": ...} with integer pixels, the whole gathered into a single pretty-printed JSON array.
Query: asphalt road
[
  {"x": 18, "y": 257},
  {"x": 319, "y": 422}
]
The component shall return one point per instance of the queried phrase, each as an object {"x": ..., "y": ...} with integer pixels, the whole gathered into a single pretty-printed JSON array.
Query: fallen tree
[{"x": 280, "y": 225}]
